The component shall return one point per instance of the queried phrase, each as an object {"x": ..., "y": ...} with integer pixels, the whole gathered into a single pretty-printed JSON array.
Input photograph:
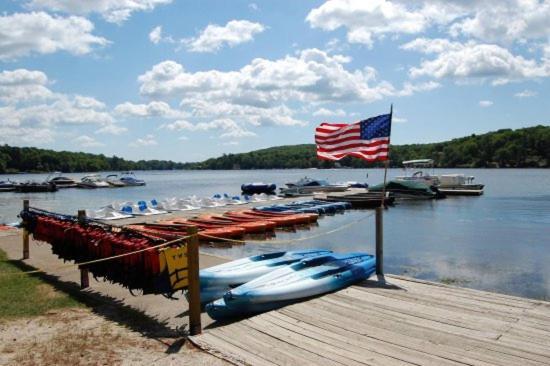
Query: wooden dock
[{"x": 401, "y": 321}]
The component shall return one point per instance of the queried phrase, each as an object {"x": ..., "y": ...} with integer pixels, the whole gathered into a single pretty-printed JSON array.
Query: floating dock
[{"x": 400, "y": 321}]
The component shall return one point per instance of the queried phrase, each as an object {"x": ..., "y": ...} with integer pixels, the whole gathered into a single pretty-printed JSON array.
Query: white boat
[
  {"x": 114, "y": 181},
  {"x": 129, "y": 179},
  {"x": 175, "y": 204},
  {"x": 93, "y": 181},
  {"x": 308, "y": 186},
  {"x": 448, "y": 184},
  {"x": 61, "y": 181}
]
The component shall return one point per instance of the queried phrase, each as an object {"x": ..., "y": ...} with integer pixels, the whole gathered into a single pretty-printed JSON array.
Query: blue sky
[{"x": 183, "y": 80}]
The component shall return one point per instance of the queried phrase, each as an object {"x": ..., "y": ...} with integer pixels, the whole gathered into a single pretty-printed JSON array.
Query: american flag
[{"x": 368, "y": 139}]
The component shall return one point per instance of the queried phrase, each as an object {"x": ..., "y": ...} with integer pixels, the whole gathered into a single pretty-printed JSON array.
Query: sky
[{"x": 189, "y": 80}]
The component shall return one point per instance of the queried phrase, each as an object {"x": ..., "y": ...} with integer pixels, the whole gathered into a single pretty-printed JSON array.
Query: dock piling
[
  {"x": 84, "y": 272},
  {"x": 195, "y": 326},
  {"x": 379, "y": 241},
  {"x": 26, "y": 250}
]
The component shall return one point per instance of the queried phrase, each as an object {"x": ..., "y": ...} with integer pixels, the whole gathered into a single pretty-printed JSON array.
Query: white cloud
[
  {"x": 230, "y": 128},
  {"x": 463, "y": 61},
  {"x": 485, "y": 103},
  {"x": 323, "y": 112},
  {"x": 183, "y": 138},
  {"x": 156, "y": 34},
  {"x": 525, "y": 94},
  {"x": 29, "y": 108},
  {"x": 87, "y": 141},
  {"x": 114, "y": 11},
  {"x": 253, "y": 6},
  {"x": 112, "y": 129},
  {"x": 152, "y": 109},
  {"x": 399, "y": 120},
  {"x": 214, "y": 37},
  {"x": 367, "y": 20},
  {"x": 148, "y": 140},
  {"x": 492, "y": 21},
  {"x": 261, "y": 92},
  {"x": 27, "y": 135},
  {"x": 505, "y": 21},
  {"x": 22, "y": 34}
]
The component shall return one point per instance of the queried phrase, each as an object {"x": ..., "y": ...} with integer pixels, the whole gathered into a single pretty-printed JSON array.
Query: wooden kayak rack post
[
  {"x": 84, "y": 272},
  {"x": 26, "y": 251},
  {"x": 195, "y": 326}
]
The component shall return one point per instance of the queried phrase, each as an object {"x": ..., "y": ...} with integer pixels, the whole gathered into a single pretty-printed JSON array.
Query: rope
[
  {"x": 290, "y": 240},
  {"x": 69, "y": 265}
]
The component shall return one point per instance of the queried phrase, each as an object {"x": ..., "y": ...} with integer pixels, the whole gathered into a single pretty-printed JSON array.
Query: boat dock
[{"x": 401, "y": 321}]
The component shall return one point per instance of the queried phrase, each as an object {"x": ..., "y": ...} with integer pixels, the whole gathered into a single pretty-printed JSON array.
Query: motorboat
[
  {"x": 450, "y": 184},
  {"x": 61, "y": 181},
  {"x": 307, "y": 186},
  {"x": 409, "y": 190},
  {"x": 129, "y": 179},
  {"x": 7, "y": 186},
  {"x": 114, "y": 181},
  {"x": 33, "y": 186},
  {"x": 93, "y": 181},
  {"x": 258, "y": 187},
  {"x": 419, "y": 173}
]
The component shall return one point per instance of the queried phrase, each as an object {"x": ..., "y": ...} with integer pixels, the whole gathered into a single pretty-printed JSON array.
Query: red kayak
[
  {"x": 312, "y": 216},
  {"x": 270, "y": 225},
  {"x": 249, "y": 227},
  {"x": 292, "y": 219}
]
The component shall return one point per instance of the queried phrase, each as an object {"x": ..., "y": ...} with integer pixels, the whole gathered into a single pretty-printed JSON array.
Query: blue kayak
[
  {"x": 306, "y": 278},
  {"x": 217, "y": 280}
]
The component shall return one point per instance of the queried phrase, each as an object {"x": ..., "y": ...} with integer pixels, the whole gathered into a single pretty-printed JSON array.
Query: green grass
[{"x": 27, "y": 295}]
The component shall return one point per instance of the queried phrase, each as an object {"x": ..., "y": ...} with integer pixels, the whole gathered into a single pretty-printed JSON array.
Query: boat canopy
[{"x": 418, "y": 162}]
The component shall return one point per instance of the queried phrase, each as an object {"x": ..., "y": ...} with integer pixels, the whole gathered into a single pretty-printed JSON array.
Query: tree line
[
  {"x": 506, "y": 148},
  {"x": 30, "y": 159}
]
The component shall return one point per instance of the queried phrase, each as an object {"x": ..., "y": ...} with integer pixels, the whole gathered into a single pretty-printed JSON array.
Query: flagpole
[{"x": 386, "y": 163}]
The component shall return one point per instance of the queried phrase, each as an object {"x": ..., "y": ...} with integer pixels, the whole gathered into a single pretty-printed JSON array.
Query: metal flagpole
[
  {"x": 379, "y": 218},
  {"x": 386, "y": 162}
]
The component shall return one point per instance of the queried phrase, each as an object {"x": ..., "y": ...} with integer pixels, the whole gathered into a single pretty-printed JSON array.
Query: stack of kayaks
[
  {"x": 312, "y": 206},
  {"x": 321, "y": 272},
  {"x": 216, "y": 281}
]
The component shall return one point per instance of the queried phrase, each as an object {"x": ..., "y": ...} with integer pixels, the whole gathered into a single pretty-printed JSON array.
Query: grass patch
[{"x": 26, "y": 295}]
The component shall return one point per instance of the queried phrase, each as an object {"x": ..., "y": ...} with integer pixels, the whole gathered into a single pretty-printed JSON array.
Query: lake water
[{"x": 497, "y": 242}]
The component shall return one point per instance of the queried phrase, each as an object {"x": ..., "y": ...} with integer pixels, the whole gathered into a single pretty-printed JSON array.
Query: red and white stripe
[{"x": 338, "y": 140}]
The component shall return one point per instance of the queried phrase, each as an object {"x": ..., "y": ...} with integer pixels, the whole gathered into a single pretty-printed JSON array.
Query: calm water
[{"x": 498, "y": 242}]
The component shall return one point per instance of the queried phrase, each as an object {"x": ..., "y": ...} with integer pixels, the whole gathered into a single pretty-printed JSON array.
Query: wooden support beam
[
  {"x": 26, "y": 250},
  {"x": 84, "y": 273},
  {"x": 379, "y": 241},
  {"x": 195, "y": 326}
]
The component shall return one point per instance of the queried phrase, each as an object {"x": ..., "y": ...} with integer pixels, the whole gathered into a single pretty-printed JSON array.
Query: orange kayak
[
  {"x": 312, "y": 216},
  {"x": 249, "y": 227},
  {"x": 270, "y": 225},
  {"x": 205, "y": 233},
  {"x": 279, "y": 221},
  {"x": 295, "y": 218}
]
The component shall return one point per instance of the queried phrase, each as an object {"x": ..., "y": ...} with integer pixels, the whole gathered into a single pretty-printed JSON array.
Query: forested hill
[
  {"x": 30, "y": 159},
  {"x": 526, "y": 147}
]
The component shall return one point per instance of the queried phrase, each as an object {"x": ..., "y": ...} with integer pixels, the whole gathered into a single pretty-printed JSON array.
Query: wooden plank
[
  {"x": 225, "y": 349},
  {"x": 364, "y": 320},
  {"x": 268, "y": 347},
  {"x": 358, "y": 347}
]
